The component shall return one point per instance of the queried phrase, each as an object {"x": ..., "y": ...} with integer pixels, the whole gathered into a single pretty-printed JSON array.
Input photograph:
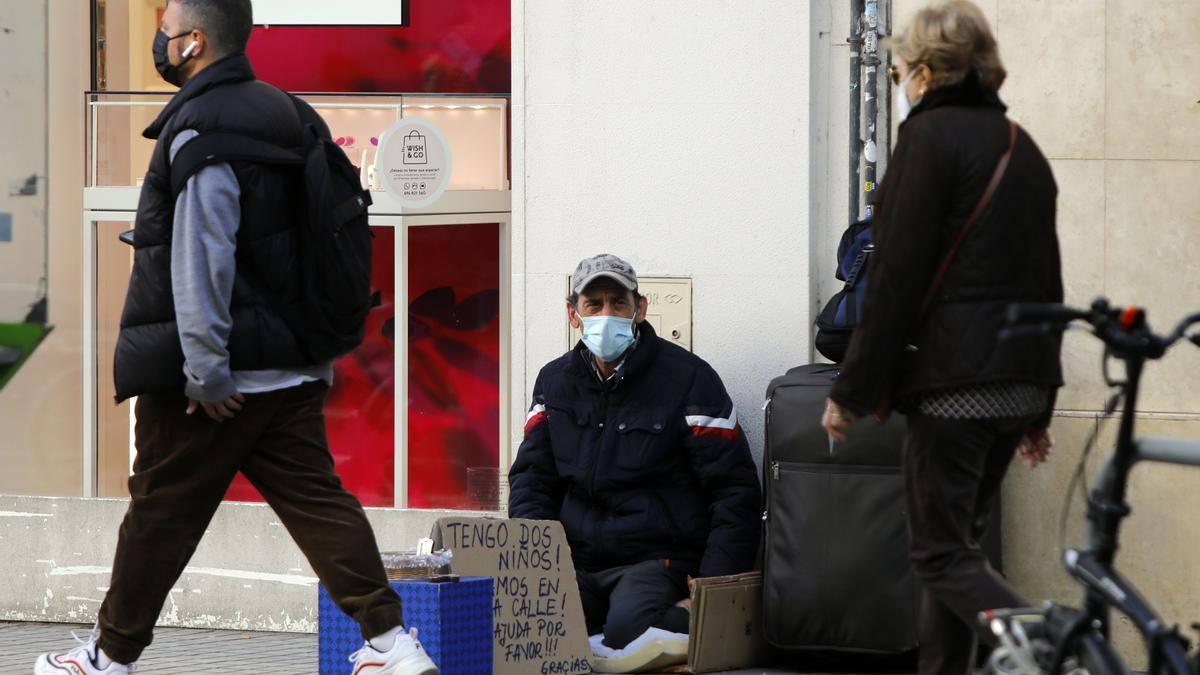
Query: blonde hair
[{"x": 951, "y": 38}]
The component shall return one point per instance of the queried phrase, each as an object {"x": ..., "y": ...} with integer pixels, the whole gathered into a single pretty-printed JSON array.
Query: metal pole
[
  {"x": 885, "y": 92},
  {"x": 870, "y": 88},
  {"x": 855, "y": 42}
]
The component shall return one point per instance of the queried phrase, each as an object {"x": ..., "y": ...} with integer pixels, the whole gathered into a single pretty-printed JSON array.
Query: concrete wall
[
  {"x": 676, "y": 135},
  {"x": 1108, "y": 89},
  {"x": 247, "y": 574}
]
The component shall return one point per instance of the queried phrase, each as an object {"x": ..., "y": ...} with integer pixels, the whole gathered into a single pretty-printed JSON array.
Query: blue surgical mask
[{"x": 607, "y": 336}]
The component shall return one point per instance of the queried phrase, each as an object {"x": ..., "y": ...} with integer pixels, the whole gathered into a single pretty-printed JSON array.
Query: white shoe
[
  {"x": 653, "y": 650},
  {"x": 80, "y": 660},
  {"x": 406, "y": 657}
]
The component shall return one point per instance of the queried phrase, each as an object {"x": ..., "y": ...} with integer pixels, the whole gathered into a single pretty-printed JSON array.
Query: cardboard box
[
  {"x": 726, "y": 624},
  {"x": 453, "y": 620}
]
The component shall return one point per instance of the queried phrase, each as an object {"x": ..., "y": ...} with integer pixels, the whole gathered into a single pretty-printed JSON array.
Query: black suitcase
[{"x": 836, "y": 575}]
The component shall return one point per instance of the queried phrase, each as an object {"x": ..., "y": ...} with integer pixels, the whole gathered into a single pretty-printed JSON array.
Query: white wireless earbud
[{"x": 187, "y": 53}]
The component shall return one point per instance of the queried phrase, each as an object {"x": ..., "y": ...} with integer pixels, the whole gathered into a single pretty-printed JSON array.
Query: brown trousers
[
  {"x": 953, "y": 470},
  {"x": 183, "y": 468}
]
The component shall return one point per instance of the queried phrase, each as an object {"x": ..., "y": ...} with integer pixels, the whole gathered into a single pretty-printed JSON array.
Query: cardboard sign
[
  {"x": 538, "y": 624},
  {"x": 726, "y": 624}
]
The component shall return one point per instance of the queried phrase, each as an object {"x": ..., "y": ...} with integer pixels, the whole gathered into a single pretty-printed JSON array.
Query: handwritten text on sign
[{"x": 537, "y": 618}]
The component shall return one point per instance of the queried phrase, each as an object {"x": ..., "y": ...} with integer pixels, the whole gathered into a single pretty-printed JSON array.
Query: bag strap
[
  {"x": 860, "y": 261},
  {"x": 218, "y": 146},
  {"x": 992, "y": 185}
]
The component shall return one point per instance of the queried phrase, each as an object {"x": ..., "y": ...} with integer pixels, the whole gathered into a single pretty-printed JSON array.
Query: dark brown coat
[{"x": 945, "y": 156}]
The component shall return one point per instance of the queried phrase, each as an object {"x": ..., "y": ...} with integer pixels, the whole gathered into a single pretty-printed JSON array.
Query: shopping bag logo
[{"x": 414, "y": 148}]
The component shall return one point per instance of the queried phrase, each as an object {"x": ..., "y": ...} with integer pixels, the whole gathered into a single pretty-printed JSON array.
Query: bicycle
[{"x": 1059, "y": 639}]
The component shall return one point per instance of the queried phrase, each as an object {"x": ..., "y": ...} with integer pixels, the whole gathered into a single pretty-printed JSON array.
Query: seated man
[{"x": 633, "y": 444}]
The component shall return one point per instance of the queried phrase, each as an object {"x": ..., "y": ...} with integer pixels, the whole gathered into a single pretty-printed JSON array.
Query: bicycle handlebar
[
  {"x": 1025, "y": 313},
  {"x": 1124, "y": 330}
]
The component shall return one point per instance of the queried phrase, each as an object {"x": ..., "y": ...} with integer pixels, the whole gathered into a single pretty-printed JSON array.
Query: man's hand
[
  {"x": 1034, "y": 447},
  {"x": 836, "y": 420},
  {"x": 686, "y": 603},
  {"x": 219, "y": 410}
]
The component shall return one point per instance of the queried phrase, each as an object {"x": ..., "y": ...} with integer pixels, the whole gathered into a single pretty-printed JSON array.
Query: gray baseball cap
[{"x": 603, "y": 265}]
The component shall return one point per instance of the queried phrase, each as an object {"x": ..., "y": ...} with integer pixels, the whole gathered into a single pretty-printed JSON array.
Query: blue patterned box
[{"x": 453, "y": 619}]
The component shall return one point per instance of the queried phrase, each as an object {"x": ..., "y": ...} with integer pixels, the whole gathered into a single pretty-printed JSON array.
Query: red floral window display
[
  {"x": 453, "y": 376},
  {"x": 449, "y": 48},
  {"x": 453, "y": 362}
]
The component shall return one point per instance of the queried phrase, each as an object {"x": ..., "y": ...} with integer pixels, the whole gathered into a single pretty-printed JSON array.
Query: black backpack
[
  {"x": 334, "y": 242},
  {"x": 837, "y": 320}
]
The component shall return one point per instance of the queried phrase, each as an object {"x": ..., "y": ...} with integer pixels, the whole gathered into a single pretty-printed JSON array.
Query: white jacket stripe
[
  {"x": 536, "y": 410},
  {"x": 713, "y": 422}
]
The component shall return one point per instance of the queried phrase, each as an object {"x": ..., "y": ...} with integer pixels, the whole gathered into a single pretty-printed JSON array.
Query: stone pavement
[{"x": 177, "y": 651}]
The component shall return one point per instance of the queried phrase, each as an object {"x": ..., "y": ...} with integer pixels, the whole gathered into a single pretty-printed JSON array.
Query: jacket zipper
[{"x": 604, "y": 392}]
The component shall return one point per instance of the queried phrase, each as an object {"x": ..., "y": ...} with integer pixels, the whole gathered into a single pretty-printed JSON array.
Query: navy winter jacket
[{"x": 650, "y": 465}]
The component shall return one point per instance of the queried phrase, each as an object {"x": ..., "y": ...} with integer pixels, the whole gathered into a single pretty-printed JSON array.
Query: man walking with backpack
[{"x": 226, "y": 378}]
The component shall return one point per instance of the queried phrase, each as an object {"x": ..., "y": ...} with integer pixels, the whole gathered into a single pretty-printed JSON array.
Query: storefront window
[
  {"x": 124, "y": 32},
  {"x": 453, "y": 365},
  {"x": 441, "y": 447},
  {"x": 37, "y": 357},
  {"x": 447, "y": 48},
  {"x": 444, "y": 451},
  {"x": 114, "y": 422},
  {"x": 398, "y": 437},
  {"x": 23, "y": 243}
]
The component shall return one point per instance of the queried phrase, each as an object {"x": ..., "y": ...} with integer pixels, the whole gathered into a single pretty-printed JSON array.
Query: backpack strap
[
  {"x": 860, "y": 262},
  {"x": 353, "y": 207},
  {"x": 215, "y": 147}
]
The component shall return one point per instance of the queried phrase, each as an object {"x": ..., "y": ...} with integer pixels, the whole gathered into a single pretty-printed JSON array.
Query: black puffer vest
[{"x": 223, "y": 97}]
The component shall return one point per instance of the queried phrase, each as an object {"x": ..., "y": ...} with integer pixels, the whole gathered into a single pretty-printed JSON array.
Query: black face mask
[{"x": 170, "y": 72}]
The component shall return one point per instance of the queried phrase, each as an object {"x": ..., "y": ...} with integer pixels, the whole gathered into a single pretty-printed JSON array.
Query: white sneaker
[
  {"x": 651, "y": 651},
  {"x": 406, "y": 657},
  {"x": 80, "y": 660}
]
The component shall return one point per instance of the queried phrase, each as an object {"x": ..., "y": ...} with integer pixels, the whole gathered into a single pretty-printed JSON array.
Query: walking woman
[{"x": 964, "y": 226}]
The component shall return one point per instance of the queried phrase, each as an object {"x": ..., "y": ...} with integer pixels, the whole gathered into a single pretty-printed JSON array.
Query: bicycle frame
[
  {"x": 1093, "y": 566},
  {"x": 1082, "y": 635}
]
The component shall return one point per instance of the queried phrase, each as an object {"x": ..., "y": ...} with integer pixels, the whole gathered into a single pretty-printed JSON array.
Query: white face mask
[{"x": 903, "y": 105}]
